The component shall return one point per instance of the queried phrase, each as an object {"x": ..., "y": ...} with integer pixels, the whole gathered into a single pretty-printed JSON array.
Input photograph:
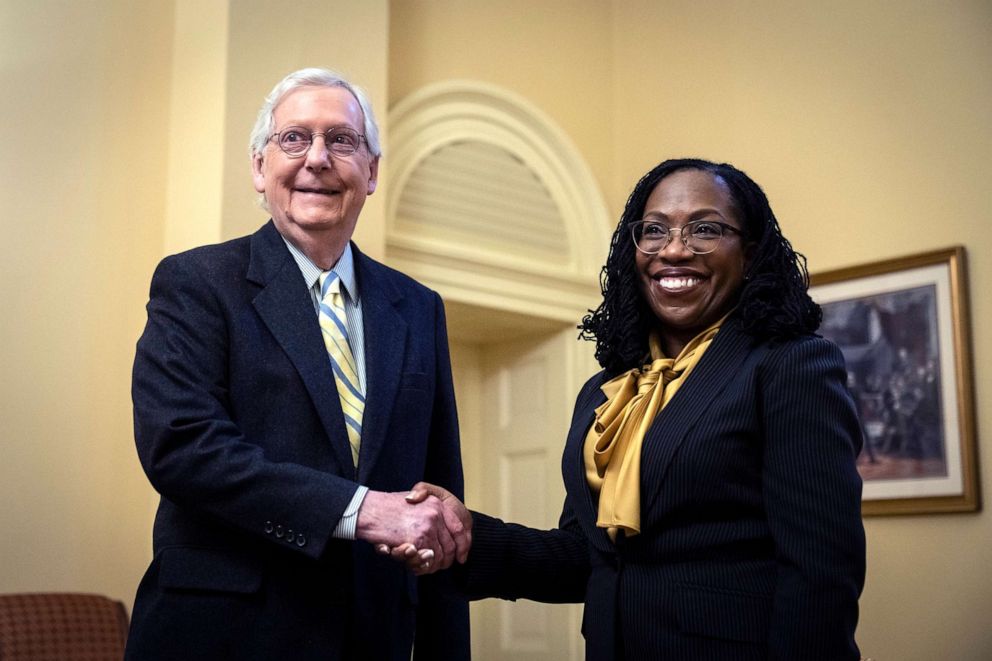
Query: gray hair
[{"x": 265, "y": 123}]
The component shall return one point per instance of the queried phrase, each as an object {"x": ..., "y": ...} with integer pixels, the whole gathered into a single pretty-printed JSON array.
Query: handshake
[{"x": 427, "y": 529}]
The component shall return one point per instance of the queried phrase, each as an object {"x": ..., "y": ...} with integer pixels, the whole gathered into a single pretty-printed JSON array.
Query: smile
[
  {"x": 678, "y": 283},
  {"x": 317, "y": 191}
]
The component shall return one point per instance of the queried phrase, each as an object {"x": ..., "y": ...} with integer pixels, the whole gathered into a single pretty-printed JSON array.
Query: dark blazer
[
  {"x": 752, "y": 545},
  {"x": 239, "y": 428}
]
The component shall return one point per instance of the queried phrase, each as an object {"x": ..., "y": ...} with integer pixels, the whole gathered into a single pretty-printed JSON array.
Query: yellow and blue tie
[{"x": 334, "y": 328}]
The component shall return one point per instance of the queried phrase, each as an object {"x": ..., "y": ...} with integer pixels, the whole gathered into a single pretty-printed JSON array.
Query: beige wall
[
  {"x": 867, "y": 124},
  {"x": 85, "y": 109},
  {"x": 555, "y": 53}
]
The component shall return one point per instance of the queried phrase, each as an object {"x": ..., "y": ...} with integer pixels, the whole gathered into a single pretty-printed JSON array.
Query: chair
[{"x": 61, "y": 627}]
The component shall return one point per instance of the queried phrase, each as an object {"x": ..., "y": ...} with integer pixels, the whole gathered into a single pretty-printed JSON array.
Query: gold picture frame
[{"x": 903, "y": 325}]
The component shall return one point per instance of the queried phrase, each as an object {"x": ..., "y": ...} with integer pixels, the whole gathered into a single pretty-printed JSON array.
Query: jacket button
[
  {"x": 289, "y": 535},
  {"x": 268, "y": 527},
  {"x": 301, "y": 540},
  {"x": 279, "y": 532}
]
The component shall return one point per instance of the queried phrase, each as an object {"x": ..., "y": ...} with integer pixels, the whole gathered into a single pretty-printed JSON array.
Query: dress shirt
[{"x": 345, "y": 268}]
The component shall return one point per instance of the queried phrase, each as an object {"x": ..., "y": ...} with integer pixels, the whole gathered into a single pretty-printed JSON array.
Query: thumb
[{"x": 416, "y": 495}]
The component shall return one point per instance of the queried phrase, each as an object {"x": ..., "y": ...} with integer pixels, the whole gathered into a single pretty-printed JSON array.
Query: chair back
[{"x": 61, "y": 626}]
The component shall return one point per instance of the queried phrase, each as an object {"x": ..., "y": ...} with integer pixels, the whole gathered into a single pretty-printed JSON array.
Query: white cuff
[{"x": 349, "y": 520}]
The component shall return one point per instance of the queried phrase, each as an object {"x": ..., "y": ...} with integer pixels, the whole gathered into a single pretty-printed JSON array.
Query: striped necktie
[{"x": 334, "y": 328}]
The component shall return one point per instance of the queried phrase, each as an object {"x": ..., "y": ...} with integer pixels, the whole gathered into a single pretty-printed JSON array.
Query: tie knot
[
  {"x": 330, "y": 284},
  {"x": 660, "y": 370}
]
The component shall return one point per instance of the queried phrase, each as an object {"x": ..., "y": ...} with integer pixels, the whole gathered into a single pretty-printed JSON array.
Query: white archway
[{"x": 482, "y": 271}]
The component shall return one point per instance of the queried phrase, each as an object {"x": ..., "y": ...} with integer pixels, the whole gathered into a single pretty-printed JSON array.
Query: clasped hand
[{"x": 427, "y": 529}]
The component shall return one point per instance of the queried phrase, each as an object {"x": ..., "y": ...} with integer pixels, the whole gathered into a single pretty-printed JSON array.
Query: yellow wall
[
  {"x": 867, "y": 124},
  {"x": 85, "y": 113},
  {"x": 555, "y": 53}
]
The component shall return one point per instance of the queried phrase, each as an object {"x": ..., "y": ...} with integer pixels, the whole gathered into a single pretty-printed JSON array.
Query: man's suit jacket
[
  {"x": 751, "y": 545},
  {"x": 239, "y": 428}
]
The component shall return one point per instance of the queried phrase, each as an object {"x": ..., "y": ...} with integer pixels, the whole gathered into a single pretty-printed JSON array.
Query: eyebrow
[{"x": 695, "y": 215}]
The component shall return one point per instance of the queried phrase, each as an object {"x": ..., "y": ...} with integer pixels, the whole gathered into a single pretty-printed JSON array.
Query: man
[{"x": 286, "y": 389}]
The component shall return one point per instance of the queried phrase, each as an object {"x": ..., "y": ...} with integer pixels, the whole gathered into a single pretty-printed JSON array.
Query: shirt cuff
[{"x": 349, "y": 520}]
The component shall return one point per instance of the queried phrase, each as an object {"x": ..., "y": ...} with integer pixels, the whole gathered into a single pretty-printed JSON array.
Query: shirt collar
[{"x": 345, "y": 268}]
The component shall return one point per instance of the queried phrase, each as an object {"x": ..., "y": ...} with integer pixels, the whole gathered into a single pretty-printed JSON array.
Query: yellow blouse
[{"x": 612, "y": 450}]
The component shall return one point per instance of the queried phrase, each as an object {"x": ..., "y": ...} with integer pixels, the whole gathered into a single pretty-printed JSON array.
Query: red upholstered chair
[{"x": 61, "y": 627}]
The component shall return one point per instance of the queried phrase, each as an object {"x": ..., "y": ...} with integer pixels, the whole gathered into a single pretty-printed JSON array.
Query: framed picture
[{"x": 903, "y": 327}]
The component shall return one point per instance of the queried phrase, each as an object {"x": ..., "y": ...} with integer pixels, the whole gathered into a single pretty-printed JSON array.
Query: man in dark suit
[{"x": 287, "y": 389}]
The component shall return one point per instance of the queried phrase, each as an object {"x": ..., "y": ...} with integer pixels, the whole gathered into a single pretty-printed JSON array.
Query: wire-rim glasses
[
  {"x": 295, "y": 141},
  {"x": 700, "y": 237}
]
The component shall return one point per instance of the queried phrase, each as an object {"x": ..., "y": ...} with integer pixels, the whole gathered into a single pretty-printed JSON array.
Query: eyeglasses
[
  {"x": 700, "y": 236},
  {"x": 296, "y": 140}
]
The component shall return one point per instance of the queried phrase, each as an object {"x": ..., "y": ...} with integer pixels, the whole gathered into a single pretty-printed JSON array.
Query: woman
[{"x": 713, "y": 505}]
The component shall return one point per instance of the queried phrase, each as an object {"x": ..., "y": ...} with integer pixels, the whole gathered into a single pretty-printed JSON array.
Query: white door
[{"x": 514, "y": 400}]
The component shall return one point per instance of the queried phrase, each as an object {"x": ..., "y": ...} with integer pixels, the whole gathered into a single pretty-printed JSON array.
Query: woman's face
[{"x": 689, "y": 292}]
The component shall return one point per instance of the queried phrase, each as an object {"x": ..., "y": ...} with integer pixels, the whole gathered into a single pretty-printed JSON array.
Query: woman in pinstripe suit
[{"x": 713, "y": 505}]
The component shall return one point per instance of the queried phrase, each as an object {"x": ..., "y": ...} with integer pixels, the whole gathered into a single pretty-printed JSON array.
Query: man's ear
[
  {"x": 373, "y": 174},
  {"x": 257, "y": 173}
]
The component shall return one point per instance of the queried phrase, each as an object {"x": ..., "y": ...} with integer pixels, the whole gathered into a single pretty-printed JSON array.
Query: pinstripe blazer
[{"x": 752, "y": 545}]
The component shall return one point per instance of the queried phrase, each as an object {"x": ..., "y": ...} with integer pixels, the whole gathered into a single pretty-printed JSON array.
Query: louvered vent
[{"x": 478, "y": 194}]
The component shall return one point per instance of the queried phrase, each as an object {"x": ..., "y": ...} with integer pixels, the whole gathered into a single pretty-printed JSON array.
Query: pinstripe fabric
[
  {"x": 751, "y": 545},
  {"x": 335, "y": 332}
]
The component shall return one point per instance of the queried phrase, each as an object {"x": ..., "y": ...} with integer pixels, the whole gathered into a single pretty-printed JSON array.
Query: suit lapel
[
  {"x": 385, "y": 345},
  {"x": 671, "y": 426},
  {"x": 285, "y": 306},
  {"x": 574, "y": 469}
]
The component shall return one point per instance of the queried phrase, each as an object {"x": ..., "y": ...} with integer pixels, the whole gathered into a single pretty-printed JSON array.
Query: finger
[
  {"x": 382, "y": 549},
  {"x": 403, "y": 552},
  {"x": 459, "y": 532},
  {"x": 466, "y": 545},
  {"x": 416, "y": 495},
  {"x": 429, "y": 489},
  {"x": 448, "y": 547}
]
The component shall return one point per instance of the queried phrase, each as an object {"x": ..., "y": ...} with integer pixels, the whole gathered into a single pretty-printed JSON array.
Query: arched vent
[{"x": 475, "y": 193}]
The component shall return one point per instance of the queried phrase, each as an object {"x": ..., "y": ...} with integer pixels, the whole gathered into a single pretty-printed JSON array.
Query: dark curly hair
[{"x": 773, "y": 304}]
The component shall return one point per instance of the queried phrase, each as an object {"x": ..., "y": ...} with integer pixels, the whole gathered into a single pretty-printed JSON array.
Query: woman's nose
[{"x": 676, "y": 247}]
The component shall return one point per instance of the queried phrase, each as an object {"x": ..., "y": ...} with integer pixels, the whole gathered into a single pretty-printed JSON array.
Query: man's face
[{"x": 316, "y": 196}]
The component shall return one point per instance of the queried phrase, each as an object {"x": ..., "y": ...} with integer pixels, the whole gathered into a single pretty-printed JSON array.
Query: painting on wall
[{"x": 903, "y": 327}]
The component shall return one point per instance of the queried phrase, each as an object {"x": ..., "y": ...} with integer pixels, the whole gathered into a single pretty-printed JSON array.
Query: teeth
[{"x": 678, "y": 283}]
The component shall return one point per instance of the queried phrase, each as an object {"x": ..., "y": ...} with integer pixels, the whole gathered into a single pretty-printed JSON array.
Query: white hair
[{"x": 265, "y": 123}]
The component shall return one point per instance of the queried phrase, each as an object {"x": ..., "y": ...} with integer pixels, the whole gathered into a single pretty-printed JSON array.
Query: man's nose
[{"x": 318, "y": 155}]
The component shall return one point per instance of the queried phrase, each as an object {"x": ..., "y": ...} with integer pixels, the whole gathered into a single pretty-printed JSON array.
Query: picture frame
[{"x": 903, "y": 326}]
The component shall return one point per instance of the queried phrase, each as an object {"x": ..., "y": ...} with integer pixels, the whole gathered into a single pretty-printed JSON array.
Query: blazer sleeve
[
  {"x": 192, "y": 451},
  {"x": 510, "y": 561},
  {"x": 442, "y": 615},
  {"x": 813, "y": 499}
]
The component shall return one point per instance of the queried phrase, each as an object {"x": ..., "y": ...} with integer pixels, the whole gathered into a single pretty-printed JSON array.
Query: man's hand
[
  {"x": 395, "y": 520},
  {"x": 457, "y": 520}
]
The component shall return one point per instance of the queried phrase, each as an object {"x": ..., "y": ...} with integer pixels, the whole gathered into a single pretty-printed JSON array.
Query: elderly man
[{"x": 287, "y": 389}]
